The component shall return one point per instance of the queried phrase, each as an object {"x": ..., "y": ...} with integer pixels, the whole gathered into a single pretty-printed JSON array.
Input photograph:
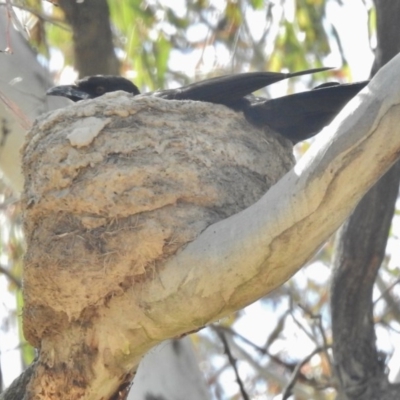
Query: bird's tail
[
  {"x": 307, "y": 72},
  {"x": 302, "y": 115},
  {"x": 230, "y": 88}
]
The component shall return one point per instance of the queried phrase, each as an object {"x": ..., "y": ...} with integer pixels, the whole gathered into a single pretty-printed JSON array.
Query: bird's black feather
[{"x": 296, "y": 117}]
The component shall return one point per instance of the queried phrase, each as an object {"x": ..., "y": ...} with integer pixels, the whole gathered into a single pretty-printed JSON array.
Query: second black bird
[{"x": 296, "y": 117}]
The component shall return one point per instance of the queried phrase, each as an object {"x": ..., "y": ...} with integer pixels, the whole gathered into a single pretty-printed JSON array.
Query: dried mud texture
[{"x": 114, "y": 186}]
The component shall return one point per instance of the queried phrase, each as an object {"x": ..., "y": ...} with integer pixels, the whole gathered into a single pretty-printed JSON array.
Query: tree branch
[
  {"x": 10, "y": 276},
  {"x": 360, "y": 252}
]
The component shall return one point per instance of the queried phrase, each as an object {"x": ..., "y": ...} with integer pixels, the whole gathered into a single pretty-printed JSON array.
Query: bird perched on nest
[{"x": 296, "y": 117}]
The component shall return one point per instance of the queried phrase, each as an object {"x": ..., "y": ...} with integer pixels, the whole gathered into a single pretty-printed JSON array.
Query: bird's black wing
[
  {"x": 302, "y": 115},
  {"x": 228, "y": 89}
]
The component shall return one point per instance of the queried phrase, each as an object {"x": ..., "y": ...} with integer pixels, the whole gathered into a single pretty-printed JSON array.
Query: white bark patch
[{"x": 84, "y": 131}]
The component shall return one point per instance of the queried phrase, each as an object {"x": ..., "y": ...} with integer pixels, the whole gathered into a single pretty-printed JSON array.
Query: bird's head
[{"x": 94, "y": 86}]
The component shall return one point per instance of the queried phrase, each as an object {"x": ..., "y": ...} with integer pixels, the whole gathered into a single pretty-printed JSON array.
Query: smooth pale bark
[
  {"x": 23, "y": 84},
  {"x": 170, "y": 371}
]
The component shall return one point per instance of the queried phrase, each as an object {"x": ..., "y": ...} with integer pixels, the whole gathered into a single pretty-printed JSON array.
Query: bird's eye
[{"x": 100, "y": 90}]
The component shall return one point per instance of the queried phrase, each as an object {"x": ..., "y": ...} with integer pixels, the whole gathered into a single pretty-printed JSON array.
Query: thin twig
[
  {"x": 20, "y": 116},
  {"x": 318, "y": 319},
  {"x": 55, "y": 21},
  {"x": 12, "y": 17},
  {"x": 270, "y": 373},
  {"x": 288, "y": 390},
  {"x": 300, "y": 325},
  {"x": 1, "y": 380},
  {"x": 10, "y": 276},
  {"x": 386, "y": 290},
  {"x": 277, "y": 330},
  {"x": 261, "y": 350},
  {"x": 232, "y": 361},
  {"x": 8, "y": 37}
]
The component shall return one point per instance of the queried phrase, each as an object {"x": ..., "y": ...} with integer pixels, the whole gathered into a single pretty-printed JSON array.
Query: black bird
[
  {"x": 220, "y": 90},
  {"x": 302, "y": 115},
  {"x": 296, "y": 117}
]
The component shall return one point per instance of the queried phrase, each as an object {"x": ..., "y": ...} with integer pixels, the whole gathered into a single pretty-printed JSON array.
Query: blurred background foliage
[{"x": 161, "y": 44}]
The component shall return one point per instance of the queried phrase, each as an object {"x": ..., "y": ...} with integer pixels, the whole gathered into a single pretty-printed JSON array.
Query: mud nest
[{"x": 115, "y": 186}]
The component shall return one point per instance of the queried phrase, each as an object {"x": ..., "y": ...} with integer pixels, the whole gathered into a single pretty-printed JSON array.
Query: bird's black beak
[{"x": 72, "y": 92}]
